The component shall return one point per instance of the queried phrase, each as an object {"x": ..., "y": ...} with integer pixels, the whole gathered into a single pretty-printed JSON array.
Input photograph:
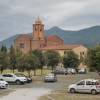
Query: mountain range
[{"x": 88, "y": 37}]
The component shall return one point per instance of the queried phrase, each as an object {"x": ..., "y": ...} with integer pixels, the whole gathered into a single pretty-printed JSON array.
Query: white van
[{"x": 86, "y": 86}]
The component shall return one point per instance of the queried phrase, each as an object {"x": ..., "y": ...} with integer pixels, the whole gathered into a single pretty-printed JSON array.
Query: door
[
  {"x": 11, "y": 78},
  {"x": 80, "y": 86}
]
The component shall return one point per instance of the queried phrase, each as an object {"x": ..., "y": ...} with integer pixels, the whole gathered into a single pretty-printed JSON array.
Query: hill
[{"x": 88, "y": 37}]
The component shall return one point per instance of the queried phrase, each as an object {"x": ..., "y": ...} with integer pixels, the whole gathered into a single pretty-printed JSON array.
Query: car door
[
  {"x": 89, "y": 86},
  {"x": 80, "y": 86},
  {"x": 11, "y": 78},
  {"x": 4, "y": 77}
]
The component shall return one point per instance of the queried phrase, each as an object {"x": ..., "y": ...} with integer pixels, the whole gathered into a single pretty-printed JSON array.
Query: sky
[{"x": 17, "y": 16}]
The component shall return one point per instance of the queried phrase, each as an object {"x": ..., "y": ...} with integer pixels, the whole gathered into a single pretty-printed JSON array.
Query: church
[{"x": 37, "y": 40}]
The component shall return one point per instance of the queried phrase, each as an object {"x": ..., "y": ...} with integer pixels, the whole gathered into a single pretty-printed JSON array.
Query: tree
[
  {"x": 20, "y": 63},
  {"x": 93, "y": 59},
  {"x": 3, "y": 48},
  {"x": 53, "y": 58},
  {"x": 4, "y": 60},
  {"x": 70, "y": 60},
  {"x": 30, "y": 62},
  {"x": 40, "y": 55},
  {"x": 12, "y": 59}
]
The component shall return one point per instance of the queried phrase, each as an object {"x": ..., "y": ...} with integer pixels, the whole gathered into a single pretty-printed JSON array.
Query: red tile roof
[
  {"x": 60, "y": 47},
  {"x": 24, "y": 36},
  {"x": 48, "y": 37}
]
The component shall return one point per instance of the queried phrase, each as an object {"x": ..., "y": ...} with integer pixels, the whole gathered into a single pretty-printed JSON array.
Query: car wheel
[
  {"x": 93, "y": 92},
  {"x": 18, "y": 82},
  {"x": 56, "y": 80},
  {"x": 72, "y": 90},
  {"x": 45, "y": 81}
]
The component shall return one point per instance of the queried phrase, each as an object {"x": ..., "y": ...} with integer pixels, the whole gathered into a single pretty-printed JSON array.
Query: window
[
  {"x": 65, "y": 52},
  {"x": 39, "y": 38},
  {"x": 36, "y": 28},
  {"x": 81, "y": 83},
  {"x": 22, "y": 45},
  {"x": 82, "y": 53},
  {"x": 40, "y": 27},
  {"x": 10, "y": 75},
  {"x": 89, "y": 83},
  {"x": 5, "y": 75}
]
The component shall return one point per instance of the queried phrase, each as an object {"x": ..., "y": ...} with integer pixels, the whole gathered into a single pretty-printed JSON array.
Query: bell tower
[
  {"x": 38, "y": 39},
  {"x": 38, "y": 30}
]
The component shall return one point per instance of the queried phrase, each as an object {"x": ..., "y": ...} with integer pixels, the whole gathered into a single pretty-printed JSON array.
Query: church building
[
  {"x": 49, "y": 42},
  {"x": 37, "y": 40}
]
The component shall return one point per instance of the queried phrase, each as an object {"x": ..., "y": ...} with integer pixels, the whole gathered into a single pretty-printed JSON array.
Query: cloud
[{"x": 17, "y": 16}]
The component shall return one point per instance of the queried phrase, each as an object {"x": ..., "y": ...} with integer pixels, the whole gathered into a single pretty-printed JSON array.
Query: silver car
[
  {"x": 50, "y": 77},
  {"x": 3, "y": 84}
]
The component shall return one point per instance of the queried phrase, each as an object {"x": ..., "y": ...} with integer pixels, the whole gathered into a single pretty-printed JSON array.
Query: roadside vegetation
[{"x": 36, "y": 60}]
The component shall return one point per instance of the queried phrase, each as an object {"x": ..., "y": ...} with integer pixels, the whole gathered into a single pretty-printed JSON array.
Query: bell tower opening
[
  {"x": 38, "y": 30},
  {"x": 38, "y": 40}
]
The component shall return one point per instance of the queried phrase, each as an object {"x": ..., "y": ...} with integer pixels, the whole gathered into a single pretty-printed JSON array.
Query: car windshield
[
  {"x": 50, "y": 75},
  {"x": 18, "y": 75}
]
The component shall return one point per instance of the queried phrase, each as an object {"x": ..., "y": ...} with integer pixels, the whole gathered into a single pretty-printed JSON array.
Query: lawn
[{"x": 38, "y": 72}]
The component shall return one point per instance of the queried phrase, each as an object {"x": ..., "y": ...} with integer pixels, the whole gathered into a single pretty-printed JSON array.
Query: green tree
[
  {"x": 93, "y": 59},
  {"x": 53, "y": 58},
  {"x": 70, "y": 60},
  {"x": 12, "y": 59},
  {"x": 40, "y": 55},
  {"x": 3, "y": 48},
  {"x": 4, "y": 60},
  {"x": 19, "y": 60},
  {"x": 20, "y": 63},
  {"x": 30, "y": 63}
]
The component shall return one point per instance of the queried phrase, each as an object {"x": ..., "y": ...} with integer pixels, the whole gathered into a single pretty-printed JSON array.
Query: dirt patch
[{"x": 5, "y": 92}]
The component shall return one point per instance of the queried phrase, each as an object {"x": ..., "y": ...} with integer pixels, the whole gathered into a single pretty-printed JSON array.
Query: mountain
[{"x": 88, "y": 37}]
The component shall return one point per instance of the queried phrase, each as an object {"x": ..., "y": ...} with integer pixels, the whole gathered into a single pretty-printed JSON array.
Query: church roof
[
  {"x": 24, "y": 37},
  {"x": 38, "y": 21},
  {"x": 60, "y": 47},
  {"x": 48, "y": 37}
]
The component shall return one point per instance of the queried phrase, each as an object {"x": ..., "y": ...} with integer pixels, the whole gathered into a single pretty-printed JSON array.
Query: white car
[
  {"x": 71, "y": 71},
  {"x": 3, "y": 84},
  {"x": 85, "y": 86},
  {"x": 82, "y": 71},
  {"x": 10, "y": 77}
]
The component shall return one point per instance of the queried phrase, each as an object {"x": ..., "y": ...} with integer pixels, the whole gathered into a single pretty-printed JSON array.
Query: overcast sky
[{"x": 17, "y": 16}]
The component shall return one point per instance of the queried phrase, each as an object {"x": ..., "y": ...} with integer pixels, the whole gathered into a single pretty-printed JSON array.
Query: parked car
[
  {"x": 10, "y": 77},
  {"x": 85, "y": 86},
  {"x": 82, "y": 71},
  {"x": 50, "y": 77},
  {"x": 60, "y": 71},
  {"x": 3, "y": 84},
  {"x": 71, "y": 71},
  {"x": 29, "y": 79}
]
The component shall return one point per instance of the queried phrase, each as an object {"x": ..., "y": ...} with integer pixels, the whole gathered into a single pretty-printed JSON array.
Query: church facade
[{"x": 37, "y": 40}]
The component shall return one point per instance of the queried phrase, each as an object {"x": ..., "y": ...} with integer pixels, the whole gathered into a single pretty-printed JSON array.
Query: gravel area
[
  {"x": 32, "y": 91},
  {"x": 26, "y": 94}
]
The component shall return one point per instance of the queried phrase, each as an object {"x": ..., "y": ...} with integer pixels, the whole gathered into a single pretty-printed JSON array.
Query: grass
[
  {"x": 69, "y": 96},
  {"x": 38, "y": 72}
]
